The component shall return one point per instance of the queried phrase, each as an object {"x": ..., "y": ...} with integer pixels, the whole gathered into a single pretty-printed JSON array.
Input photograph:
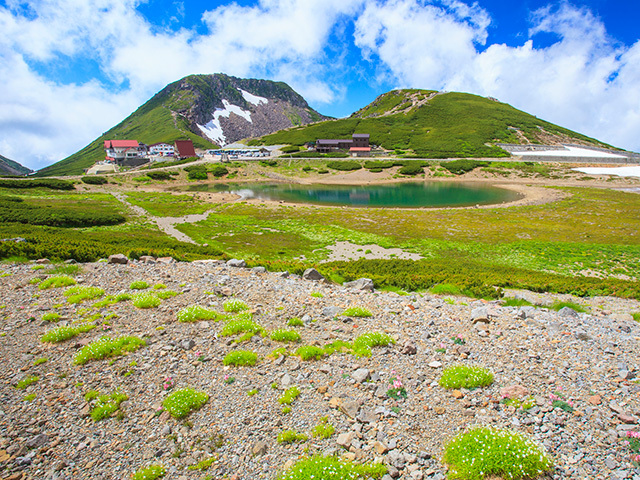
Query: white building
[{"x": 162, "y": 149}]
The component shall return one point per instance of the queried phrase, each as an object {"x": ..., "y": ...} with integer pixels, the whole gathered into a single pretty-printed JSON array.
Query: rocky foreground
[{"x": 585, "y": 362}]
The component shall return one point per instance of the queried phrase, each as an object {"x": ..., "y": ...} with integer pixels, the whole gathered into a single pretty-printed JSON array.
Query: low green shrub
[
  {"x": 291, "y": 436},
  {"x": 184, "y": 401},
  {"x": 160, "y": 175},
  {"x": 63, "y": 332},
  {"x": 218, "y": 171},
  {"x": 310, "y": 352},
  {"x": 50, "y": 183},
  {"x": 465, "y": 376},
  {"x": 559, "y": 305},
  {"x": 146, "y": 300},
  {"x": 487, "y": 452},
  {"x": 80, "y": 293},
  {"x": 377, "y": 165},
  {"x": 51, "y": 317},
  {"x": 139, "y": 285},
  {"x": 332, "y": 468},
  {"x": 194, "y": 313},
  {"x": 411, "y": 169},
  {"x": 196, "y": 172},
  {"x": 235, "y": 306},
  {"x": 56, "y": 282},
  {"x": 64, "y": 269},
  {"x": 344, "y": 165},
  {"x": 107, "y": 347},
  {"x": 295, "y": 322},
  {"x": 106, "y": 405},
  {"x": 241, "y": 358},
  {"x": 289, "y": 395},
  {"x": 152, "y": 472},
  {"x": 25, "y": 382},
  {"x": 445, "y": 289},
  {"x": 164, "y": 294},
  {"x": 290, "y": 149},
  {"x": 94, "y": 180},
  {"x": 516, "y": 302},
  {"x": 281, "y": 335},
  {"x": 324, "y": 429},
  {"x": 360, "y": 312},
  {"x": 40, "y": 361},
  {"x": 460, "y": 167},
  {"x": 241, "y": 325},
  {"x": 364, "y": 343}
]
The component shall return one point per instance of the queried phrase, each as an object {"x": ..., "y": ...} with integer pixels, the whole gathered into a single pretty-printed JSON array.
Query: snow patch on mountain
[
  {"x": 213, "y": 129},
  {"x": 253, "y": 99}
]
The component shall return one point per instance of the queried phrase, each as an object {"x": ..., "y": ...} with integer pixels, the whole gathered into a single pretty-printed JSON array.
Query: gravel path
[{"x": 589, "y": 360}]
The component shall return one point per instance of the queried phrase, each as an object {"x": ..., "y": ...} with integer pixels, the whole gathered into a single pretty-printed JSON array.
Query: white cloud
[{"x": 583, "y": 81}]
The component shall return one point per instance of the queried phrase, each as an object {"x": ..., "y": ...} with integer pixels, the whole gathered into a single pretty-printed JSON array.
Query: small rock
[
  {"x": 361, "y": 284},
  {"x": 480, "y": 314},
  {"x": 366, "y": 415},
  {"x": 286, "y": 380},
  {"x": 626, "y": 418},
  {"x": 595, "y": 399},
  {"x": 408, "y": 348},
  {"x": 457, "y": 394},
  {"x": 345, "y": 439},
  {"x": 147, "y": 259},
  {"x": 435, "y": 364},
  {"x": 380, "y": 448},
  {"x": 118, "y": 259},
  {"x": 234, "y": 262},
  {"x": 37, "y": 441},
  {"x": 187, "y": 344},
  {"x": 259, "y": 448},
  {"x": 568, "y": 313},
  {"x": 312, "y": 274},
  {"x": 360, "y": 375},
  {"x": 166, "y": 430},
  {"x": 259, "y": 270},
  {"x": 43, "y": 261},
  {"x": 350, "y": 408},
  {"x": 514, "y": 391}
]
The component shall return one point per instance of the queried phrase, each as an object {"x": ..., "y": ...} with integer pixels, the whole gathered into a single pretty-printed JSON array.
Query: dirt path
[{"x": 166, "y": 224}]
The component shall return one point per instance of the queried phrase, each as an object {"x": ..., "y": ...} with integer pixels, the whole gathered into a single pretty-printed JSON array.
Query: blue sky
[{"x": 71, "y": 69}]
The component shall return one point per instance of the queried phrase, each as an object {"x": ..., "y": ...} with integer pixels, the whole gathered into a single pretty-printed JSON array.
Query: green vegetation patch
[
  {"x": 81, "y": 293},
  {"x": 484, "y": 452},
  {"x": 281, "y": 335},
  {"x": 63, "y": 333},
  {"x": 241, "y": 325},
  {"x": 94, "y": 180},
  {"x": 235, "y": 306},
  {"x": 194, "y": 313},
  {"x": 289, "y": 396},
  {"x": 344, "y": 165},
  {"x": 146, "y": 300},
  {"x": 139, "y": 285},
  {"x": 107, "y": 347},
  {"x": 332, "y": 468},
  {"x": 324, "y": 429},
  {"x": 295, "y": 322},
  {"x": 465, "y": 376},
  {"x": 105, "y": 405},
  {"x": 360, "y": 312},
  {"x": 51, "y": 317},
  {"x": 310, "y": 352},
  {"x": 291, "y": 436},
  {"x": 151, "y": 472},
  {"x": 25, "y": 382},
  {"x": 167, "y": 204},
  {"x": 56, "y": 282},
  {"x": 241, "y": 358},
  {"x": 184, "y": 401}
]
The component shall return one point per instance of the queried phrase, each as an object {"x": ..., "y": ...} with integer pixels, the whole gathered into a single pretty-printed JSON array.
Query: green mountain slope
[
  {"x": 429, "y": 124},
  {"x": 11, "y": 167},
  {"x": 178, "y": 110}
]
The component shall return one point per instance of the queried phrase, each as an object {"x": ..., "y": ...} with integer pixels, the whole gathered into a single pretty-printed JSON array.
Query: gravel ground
[{"x": 587, "y": 359}]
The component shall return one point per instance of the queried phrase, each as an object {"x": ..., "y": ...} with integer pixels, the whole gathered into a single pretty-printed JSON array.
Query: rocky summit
[{"x": 565, "y": 379}]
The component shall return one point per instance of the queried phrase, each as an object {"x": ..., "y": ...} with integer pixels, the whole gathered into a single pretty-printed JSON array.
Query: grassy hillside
[
  {"x": 434, "y": 126},
  {"x": 151, "y": 123},
  {"x": 10, "y": 167}
]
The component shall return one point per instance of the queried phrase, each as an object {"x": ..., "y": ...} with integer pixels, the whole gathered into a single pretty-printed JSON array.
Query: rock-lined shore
[{"x": 588, "y": 361}]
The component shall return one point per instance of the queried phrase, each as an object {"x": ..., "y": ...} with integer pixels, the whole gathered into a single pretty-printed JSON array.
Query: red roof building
[
  {"x": 120, "y": 144},
  {"x": 184, "y": 149}
]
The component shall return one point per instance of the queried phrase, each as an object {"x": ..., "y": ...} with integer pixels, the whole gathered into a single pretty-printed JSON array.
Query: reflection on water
[{"x": 406, "y": 194}]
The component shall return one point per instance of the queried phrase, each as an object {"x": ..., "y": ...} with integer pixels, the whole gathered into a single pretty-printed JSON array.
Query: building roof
[
  {"x": 330, "y": 142},
  {"x": 360, "y": 149},
  {"x": 360, "y": 135},
  {"x": 120, "y": 143},
  {"x": 185, "y": 148},
  {"x": 160, "y": 143}
]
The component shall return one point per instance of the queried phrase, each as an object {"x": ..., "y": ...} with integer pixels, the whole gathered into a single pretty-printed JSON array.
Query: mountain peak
[{"x": 210, "y": 110}]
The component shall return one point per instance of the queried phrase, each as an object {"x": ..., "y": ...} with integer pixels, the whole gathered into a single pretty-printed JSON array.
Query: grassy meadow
[{"x": 586, "y": 243}]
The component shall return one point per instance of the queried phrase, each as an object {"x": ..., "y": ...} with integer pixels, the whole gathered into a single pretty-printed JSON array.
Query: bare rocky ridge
[{"x": 590, "y": 360}]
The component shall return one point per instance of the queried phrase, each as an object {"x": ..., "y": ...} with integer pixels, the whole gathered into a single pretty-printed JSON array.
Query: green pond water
[{"x": 402, "y": 195}]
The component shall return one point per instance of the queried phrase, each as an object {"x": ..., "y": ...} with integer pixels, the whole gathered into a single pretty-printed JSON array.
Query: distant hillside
[
  {"x": 11, "y": 167},
  {"x": 430, "y": 124},
  {"x": 211, "y": 110}
]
